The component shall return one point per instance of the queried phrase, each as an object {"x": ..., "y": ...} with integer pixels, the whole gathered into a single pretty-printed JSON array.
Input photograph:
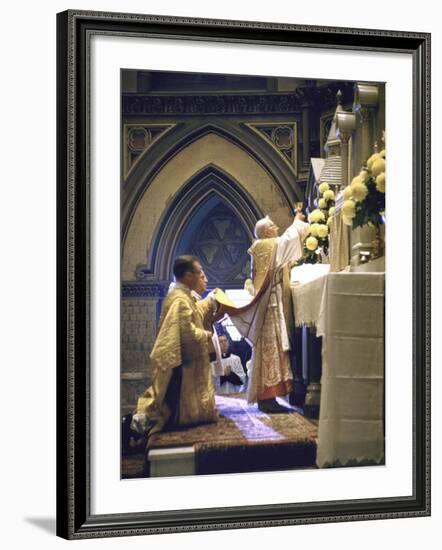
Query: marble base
[
  {"x": 176, "y": 461},
  {"x": 373, "y": 266},
  {"x": 312, "y": 401}
]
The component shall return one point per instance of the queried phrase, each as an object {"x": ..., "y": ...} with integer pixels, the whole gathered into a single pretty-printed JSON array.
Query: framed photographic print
[{"x": 243, "y": 301}]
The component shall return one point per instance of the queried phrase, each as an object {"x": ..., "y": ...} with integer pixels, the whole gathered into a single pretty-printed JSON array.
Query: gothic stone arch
[
  {"x": 211, "y": 217},
  {"x": 209, "y": 150},
  {"x": 182, "y": 136}
]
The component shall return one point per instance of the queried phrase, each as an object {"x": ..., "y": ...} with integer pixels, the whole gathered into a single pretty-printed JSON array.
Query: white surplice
[{"x": 234, "y": 362}]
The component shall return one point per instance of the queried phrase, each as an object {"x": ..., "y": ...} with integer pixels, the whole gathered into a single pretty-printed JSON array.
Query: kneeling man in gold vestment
[{"x": 182, "y": 391}]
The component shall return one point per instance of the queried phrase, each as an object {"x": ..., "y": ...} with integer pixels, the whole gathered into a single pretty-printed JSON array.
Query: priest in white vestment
[{"x": 266, "y": 320}]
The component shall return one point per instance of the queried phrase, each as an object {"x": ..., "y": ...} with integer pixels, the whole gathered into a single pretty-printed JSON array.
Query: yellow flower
[
  {"x": 349, "y": 209},
  {"x": 359, "y": 191},
  {"x": 311, "y": 243},
  {"x": 314, "y": 229},
  {"x": 347, "y": 193},
  {"x": 347, "y": 221},
  {"x": 364, "y": 176},
  {"x": 316, "y": 216},
  {"x": 380, "y": 182},
  {"x": 331, "y": 211},
  {"x": 322, "y": 230},
  {"x": 329, "y": 195},
  {"x": 356, "y": 179},
  {"x": 382, "y": 153},
  {"x": 371, "y": 160},
  {"x": 323, "y": 187},
  {"x": 322, "y": 203},
  {"x": 329, "y": 221},
  {"x": 378, "y": 166}
]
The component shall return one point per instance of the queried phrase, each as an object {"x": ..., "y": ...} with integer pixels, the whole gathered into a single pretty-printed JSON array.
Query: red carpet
[{"x": 245, "y": 440}]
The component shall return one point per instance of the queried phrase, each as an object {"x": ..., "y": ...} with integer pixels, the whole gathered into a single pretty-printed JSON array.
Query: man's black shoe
[{"x": 271, "y": 406}]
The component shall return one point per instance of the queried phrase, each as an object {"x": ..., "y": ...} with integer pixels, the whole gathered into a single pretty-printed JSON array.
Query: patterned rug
[{"x": 244, "y": 440}]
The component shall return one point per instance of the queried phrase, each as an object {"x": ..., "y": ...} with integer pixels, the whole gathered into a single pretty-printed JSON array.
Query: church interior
[{"x": 203, "y": 158}]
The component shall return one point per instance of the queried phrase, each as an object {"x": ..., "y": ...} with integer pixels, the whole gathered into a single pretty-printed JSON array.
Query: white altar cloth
[{"x": 348, "y": 312}]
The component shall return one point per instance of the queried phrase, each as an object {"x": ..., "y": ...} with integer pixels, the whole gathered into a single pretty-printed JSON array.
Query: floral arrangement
[
  {"x": 316, "y": 244},
  {"x": 364, "y": 198}
]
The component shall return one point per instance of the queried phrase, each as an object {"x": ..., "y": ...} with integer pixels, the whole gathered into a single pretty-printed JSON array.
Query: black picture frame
[{"x": 74, "y": 518}]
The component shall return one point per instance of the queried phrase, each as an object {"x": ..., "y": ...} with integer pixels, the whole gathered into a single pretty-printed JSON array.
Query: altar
[{"x": 347, "y": 310}]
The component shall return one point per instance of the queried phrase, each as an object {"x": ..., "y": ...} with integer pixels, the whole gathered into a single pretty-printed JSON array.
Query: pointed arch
[
  {"x": 184, "y": 135},
  {"x": 209, "y": 186},
  {"x": 209, "y": 149}
]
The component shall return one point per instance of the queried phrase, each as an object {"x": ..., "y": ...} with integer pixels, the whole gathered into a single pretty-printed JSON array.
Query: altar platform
[{"x": 243, "y": 440}]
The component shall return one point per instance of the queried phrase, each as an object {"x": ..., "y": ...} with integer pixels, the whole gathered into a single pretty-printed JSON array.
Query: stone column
[
  {"x": 305, "y": 134},
  {"x": 366, "y": 135},
  {"x": 344, "y": 158},
  {"x": 297, "y": 397},
  {"x": 314, "y": 362},
  {"x": 305, "y": 95},
  {"x": 365, "y": 103},
  {"x": 345, "y": 124}
]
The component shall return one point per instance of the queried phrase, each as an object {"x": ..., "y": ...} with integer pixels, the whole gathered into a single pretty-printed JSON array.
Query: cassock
[{"x": 182, "y": 391}]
